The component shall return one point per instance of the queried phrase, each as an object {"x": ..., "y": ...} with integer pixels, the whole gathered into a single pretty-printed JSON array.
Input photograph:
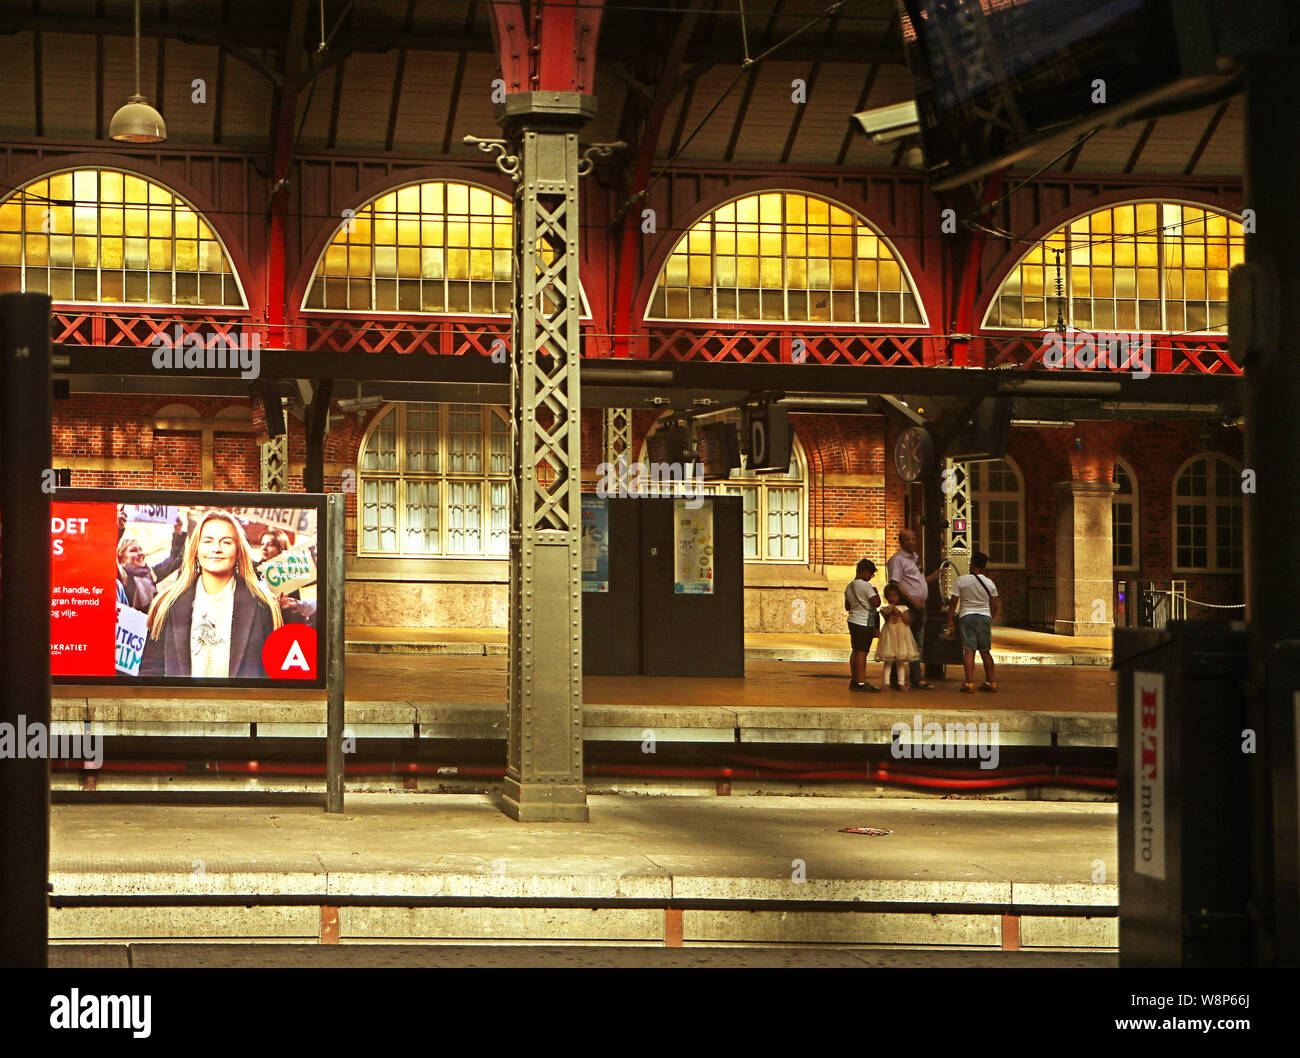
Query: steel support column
[
  {"x": 957, "y": 546},
  {"x": 544, "y": 781},
  {"x": 25, "y": 400},
  {"x": 1270, "y": 332}
]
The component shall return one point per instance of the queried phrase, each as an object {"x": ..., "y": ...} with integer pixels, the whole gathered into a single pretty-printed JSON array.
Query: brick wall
[{"x": 856, "y": 501}]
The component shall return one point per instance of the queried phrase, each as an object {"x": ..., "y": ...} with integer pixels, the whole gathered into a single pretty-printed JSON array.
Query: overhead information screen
[
  {"x": 995, "y": 78},
  {"x": 185, "y": 588}
]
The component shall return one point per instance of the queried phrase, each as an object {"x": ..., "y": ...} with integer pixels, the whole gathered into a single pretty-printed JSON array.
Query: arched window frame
[
  {"x": 744, "y": 483},
  {"x": 1060, "y": 234},
  {"x": 410, "y": 477},
  {"x": 705, "y": 229},
  {"x": 981, "y": 495},
  {"x": 1132, "y": 517},
  {"x": 1223, "y": 497},
  {"x": 358, "y": 232},
  {"x": 96, "y": 234}
]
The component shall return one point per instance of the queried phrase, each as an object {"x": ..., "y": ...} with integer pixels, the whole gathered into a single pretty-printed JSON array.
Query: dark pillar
[
  {"x": 25, "y": 410},
  {"x": 1273, "y": 512},
  {"x": 318, "y": 414}
]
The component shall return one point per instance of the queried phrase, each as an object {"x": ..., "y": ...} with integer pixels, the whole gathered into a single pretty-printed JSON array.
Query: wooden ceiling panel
[
  {"x": 711, "y": 140},
  {"x": 367, "y": 96},
  {"x": 1224, "y": 154},
  {"x": 425, "y": 101},
  {"x": 187, "y": 121},
  {"x": 826, "y": 117},
  {"x": 67, "y": 86},
  {"x": 18, "y": 101},
  {"x": 476, "y": 114}
]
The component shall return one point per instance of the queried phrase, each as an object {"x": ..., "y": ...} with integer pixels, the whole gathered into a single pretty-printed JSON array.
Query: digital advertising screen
[{"x": 165, "y": 588}]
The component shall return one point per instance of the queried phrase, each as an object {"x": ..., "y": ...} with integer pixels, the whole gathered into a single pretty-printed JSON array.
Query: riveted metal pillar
[
  {"x": 955, "y": 485},
  {"x": 544, "y": 780},
  {"x": 617, "y": 424}
]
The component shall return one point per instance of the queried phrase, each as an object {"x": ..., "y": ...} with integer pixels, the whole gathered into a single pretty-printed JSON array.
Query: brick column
[{"x": 1085, "y": 574}]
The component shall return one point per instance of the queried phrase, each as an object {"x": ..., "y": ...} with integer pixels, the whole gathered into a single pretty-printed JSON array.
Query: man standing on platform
[{"x": 905, "y": 568}]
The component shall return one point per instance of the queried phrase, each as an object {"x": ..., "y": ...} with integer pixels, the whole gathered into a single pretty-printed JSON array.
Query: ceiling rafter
[
  {"x": 751, "y": 82},
  {"x": 811, "y": 81},
  {"x": 37, "y": 77},
  {"x": 219, "y": 89},
  {"x": 398, "y": 74},
  {"x": 1210, "y": 128},
  {"x": 1138, "y": 147},
  {"x": 335, "y": 101},
  {"x": 886, "y": 37},
  {"x": 458, "y": 80}
]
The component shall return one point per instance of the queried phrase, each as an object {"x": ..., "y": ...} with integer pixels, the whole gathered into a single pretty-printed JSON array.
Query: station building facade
[{"x": 819, "y": 266}]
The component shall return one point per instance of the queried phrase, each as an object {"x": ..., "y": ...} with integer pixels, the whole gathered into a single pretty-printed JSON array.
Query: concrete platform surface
[
  {"x": 548, "y": 956},
  {"x": 764, "y": 848},
  {"x": 767, "y": 684},
  {"x": 1013, "y": 646},
  {"x": 463, "y": 697}
]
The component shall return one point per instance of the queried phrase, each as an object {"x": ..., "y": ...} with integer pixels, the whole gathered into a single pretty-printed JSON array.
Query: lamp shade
[{"x": 137, "y": 122}]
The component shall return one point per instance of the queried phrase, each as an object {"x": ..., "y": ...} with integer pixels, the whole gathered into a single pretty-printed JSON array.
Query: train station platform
[
  {"x": 463, "y": 696},
  {"x": 1011, "y": 646},
  {"x": 646, "y": 871}
]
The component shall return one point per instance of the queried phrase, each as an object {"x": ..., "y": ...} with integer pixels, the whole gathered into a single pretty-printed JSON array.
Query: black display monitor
[{"x": 995, "y": 79}]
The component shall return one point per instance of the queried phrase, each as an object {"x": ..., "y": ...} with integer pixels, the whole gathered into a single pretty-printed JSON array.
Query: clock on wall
[{"x": 914, "y": 453}]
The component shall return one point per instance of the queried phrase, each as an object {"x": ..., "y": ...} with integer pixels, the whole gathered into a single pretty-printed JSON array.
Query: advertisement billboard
[{"x": 186, "y": 588}]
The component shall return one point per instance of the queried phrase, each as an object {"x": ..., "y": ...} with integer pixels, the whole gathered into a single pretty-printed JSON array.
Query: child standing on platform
[{"x": 896, "y": 646}]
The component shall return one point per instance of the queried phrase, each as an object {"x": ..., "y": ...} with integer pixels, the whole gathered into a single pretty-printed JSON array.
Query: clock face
[{"x": 913, "y": 453}]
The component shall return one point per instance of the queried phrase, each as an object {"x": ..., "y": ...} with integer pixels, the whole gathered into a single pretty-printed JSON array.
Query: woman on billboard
[
  {"x": 139, "y": 580},
  {"x": 212, "y": 623}
]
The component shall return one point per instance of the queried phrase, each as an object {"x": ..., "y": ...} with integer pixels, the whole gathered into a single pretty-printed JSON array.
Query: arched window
[
  {"x": 1140, "y": 266},
  {"x": 1124, "y": 519},
  {"x": 433, "y": 247},
  {"x": 109, "y": 236},
  {"x": 788, "y": 257},
  {"x": 997, "y": 511},
  {"x": 774, "y": 522},
  {"x": 1209, "y": 516},
  {"x": 437, "y": 246},
  {"x": 435, "y": 481}
]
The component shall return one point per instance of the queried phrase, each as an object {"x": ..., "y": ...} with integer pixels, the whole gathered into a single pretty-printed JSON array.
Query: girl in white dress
[{"x": 896, "y": 645}]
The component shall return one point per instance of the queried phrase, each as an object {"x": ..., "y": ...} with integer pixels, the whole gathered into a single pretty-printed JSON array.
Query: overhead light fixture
[{"x": 136, "y": 121}]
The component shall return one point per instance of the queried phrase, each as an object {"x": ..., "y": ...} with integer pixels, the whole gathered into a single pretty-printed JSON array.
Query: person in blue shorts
[
  {"x": 974, "y": 604},
  {"x": 862, "y": 602}
]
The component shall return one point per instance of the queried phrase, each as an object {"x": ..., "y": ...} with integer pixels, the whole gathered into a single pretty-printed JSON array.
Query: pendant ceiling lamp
[{"x": 136, "y": 121}]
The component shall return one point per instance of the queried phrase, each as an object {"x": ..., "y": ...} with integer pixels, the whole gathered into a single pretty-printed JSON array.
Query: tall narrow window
[
  {"x": 1124, "y": 518},
  {"x": 997, "y": 510},
  {"x": 1209, "y": 516},
  {"x": 427, "y": 487}
]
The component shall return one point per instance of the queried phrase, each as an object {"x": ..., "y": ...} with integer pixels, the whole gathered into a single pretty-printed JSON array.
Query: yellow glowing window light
[
  {"x": 1150, "y": 266},
  {"x": 784, "y": 256},
  {"x": 433, "y": 247},
  {"x": 111, "y": 237}
]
